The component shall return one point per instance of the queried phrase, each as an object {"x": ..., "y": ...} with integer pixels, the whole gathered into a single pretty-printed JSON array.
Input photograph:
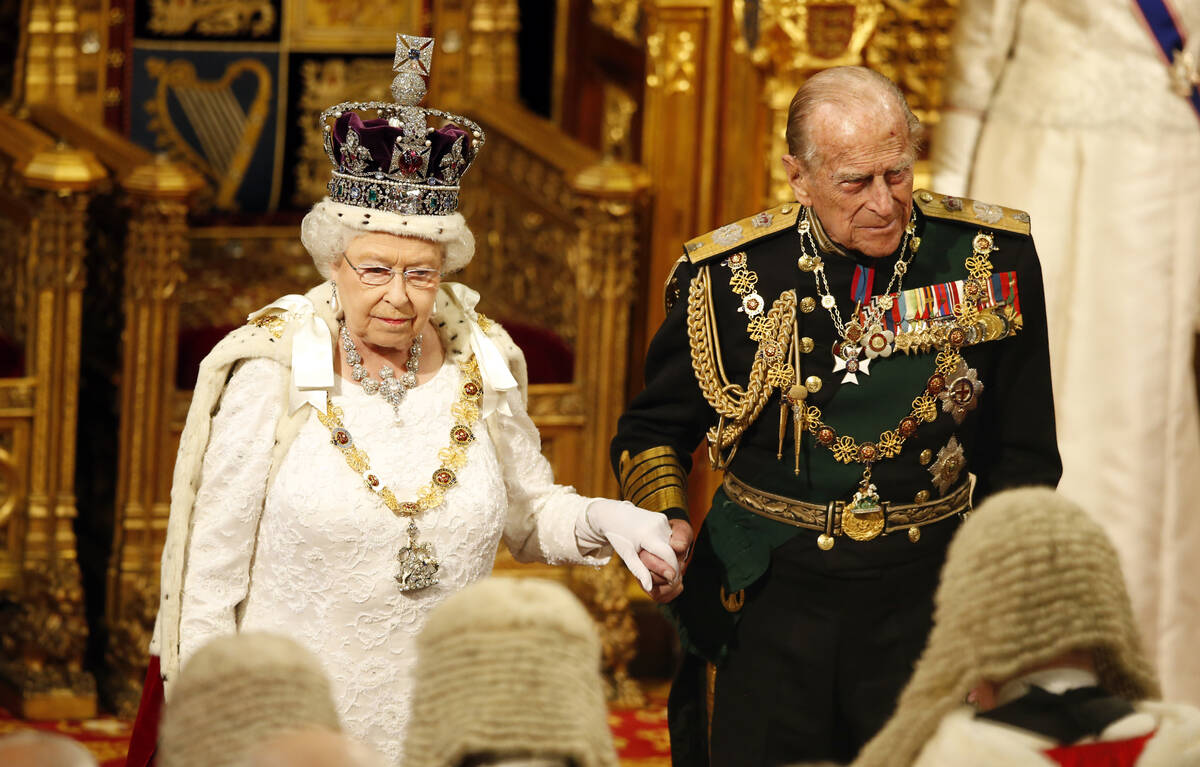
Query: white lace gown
[
  {"x": 1080, "y": 127},
  {"x": 324, "y": 566}
]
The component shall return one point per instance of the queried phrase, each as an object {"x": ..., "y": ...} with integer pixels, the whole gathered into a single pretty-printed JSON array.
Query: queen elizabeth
[{"x": 353, "y": 456}]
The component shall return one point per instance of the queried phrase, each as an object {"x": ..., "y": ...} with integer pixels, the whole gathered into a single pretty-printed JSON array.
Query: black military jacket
[{"x": 1007, "y": 439}]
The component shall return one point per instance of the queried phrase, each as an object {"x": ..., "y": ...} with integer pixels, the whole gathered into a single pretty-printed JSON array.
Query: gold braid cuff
[{"x": 654, "y": 479}]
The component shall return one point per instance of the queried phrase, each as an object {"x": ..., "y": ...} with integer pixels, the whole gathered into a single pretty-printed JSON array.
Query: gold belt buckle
[{"x": 863, "y": 518}]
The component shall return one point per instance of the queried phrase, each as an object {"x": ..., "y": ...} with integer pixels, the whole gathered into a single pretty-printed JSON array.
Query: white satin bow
[
  {"x": 499, "y": 386},
  {"x": 312, "y": 352}
]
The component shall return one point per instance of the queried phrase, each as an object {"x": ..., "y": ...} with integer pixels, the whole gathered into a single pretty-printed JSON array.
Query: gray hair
[
  {"x": 845, "y": 87},
  {"x": 31, "y": 748},
  {"x": 329, "y": 227}
]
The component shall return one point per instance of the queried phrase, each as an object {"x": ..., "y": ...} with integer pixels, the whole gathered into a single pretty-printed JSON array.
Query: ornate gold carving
[
  {"x": 323, "y": 83},
  {"x": 621, "y": 18},
  {"x": 44, "y": 635},
  {"x": 492, "y": 48},
  {"x": 788, "y": 36},
  {"x": 13, "y": 309},
  {"x": 233, "y": 271},
  {"x": 523, "y": 224},
  {"x": 671, "y": 61},
  {"x": 911, "y": 47},
  {"x": 603, "y": 591},
  {"x": 227, "y": 134},
  {"x": 128, "y": 641},
  {"x": 216, "y": 18},
  {"x": 561, "y": 402},
  {"x": 10, "y": 479},
  {"x": 616, "y": 139},
  {"x": 361, "y": 27}
]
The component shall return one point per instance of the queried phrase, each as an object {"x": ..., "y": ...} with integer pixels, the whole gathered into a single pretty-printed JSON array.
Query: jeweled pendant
[
  {"x": 418, "y": 563},
  {"x": 850, "y": 362},
  {"x": 862, "y": 519}
]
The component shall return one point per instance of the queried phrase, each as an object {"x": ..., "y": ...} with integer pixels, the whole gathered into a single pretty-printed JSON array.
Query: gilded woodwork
[
  {"x": 47, "y": 190},
  {"x": 622, "y": 18},
  {"x": 323, "y": 83},
  {"x": 558, "y": 233},
  {"x": 605, "y": 593},
  {"x": 62, "y": 54},
  {"x": 617, "y": 136},
  {"x": 361, "y": 27},
  {"x": 232, "y": 271},
  {"x": 492, "y": 48},
  {"x": 43, "y": 636},
  {"x": 215, "y": 18},
  {"x": 477, "y": 52},
  {"x": 679, "y": 127},
  {"x": 154, "y": 249},
  {"x": 911, "y": 46}
]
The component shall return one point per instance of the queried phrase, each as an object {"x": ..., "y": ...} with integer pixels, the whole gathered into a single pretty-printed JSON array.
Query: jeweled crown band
[{"x": 406, "y": 199}]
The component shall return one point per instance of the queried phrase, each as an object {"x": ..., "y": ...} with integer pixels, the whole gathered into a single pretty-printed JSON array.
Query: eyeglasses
[{"x": 419, "y": 277}]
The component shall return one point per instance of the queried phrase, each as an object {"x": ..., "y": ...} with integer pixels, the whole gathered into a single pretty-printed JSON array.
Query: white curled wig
[{"x": 329, "y": 227}]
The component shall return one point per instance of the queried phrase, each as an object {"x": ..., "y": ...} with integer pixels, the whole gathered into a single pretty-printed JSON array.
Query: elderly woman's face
[{"x": 393, "y": 314}]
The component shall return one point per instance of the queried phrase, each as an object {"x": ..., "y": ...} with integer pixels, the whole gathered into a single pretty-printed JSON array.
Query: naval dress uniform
[{"x": 858, "y": 406}]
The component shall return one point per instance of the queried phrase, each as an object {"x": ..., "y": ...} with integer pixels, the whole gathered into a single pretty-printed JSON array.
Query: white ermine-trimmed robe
[
  {"x": 289, "y": 540},
  {"x": 1064, "y": 108}
]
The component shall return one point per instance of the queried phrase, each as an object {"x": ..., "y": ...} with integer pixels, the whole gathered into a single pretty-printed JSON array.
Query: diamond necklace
[
  {"x": 392, "y": 389},
  {"x": 848, "y": 353}
]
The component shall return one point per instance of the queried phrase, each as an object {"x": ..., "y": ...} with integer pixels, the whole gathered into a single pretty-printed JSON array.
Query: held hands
[
  {"x": 681, "y": 543},
  {"x": 643, "y": 539}
]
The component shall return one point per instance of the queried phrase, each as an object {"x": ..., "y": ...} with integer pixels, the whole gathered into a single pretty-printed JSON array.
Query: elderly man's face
[{"x": 862, "y": 183}]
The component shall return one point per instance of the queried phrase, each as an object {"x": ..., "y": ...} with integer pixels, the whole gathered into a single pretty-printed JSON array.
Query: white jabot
[
  {"x": 499, "y": 386},
  {"x": 312, "y": 352}
]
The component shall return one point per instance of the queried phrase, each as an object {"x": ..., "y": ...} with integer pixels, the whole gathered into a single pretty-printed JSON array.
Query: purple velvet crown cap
[{"x": 379, "y": 138}]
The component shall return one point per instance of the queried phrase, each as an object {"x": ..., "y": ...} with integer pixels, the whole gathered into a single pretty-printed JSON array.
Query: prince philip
[{"x": 864, "y": 363}]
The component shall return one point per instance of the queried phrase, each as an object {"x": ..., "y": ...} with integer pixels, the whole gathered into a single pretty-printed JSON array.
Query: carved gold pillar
[
  {"x": 604, "y": 258},
  {"x": 154, "y": 249},
  {"x": 679, "y": 127},
  {"x": 45, "y": 633},
  {"x": 62, "y": 54},
  {"x": 492, "y": 48}
]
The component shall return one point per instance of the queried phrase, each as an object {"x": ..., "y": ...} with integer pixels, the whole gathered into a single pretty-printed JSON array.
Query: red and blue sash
[{"x": 1168, "y": 33}]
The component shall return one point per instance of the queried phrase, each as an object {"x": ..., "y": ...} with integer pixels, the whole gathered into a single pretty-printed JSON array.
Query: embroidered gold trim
[
  {"x": 654, "y": 479},
  {"x": 272, "y": 323}
]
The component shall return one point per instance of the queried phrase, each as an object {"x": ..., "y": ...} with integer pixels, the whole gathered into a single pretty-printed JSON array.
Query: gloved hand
[{"x": 629, "y": 529}]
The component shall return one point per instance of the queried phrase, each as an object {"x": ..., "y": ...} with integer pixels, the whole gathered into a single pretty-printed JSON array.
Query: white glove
[{"x": 628, "y": 529}]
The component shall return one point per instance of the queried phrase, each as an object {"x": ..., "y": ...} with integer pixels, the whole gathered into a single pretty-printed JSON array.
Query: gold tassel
[
  {"x": 783, "y": 407},
  {"x": 798, "y": 427}
]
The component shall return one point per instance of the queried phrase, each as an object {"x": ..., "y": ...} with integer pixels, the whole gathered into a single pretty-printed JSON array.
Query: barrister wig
[
  {"x": 1029, "y": 578},
  {"x": 509, "y": 668}
]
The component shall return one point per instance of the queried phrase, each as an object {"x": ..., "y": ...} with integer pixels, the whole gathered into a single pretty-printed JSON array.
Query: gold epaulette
[
  {"x": 739, "y": 234},
  {"x": 973, "y": 212}
]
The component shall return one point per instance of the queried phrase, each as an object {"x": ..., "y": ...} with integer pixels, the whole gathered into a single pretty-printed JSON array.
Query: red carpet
[
  {"x": 639, "y": 734},
  {"x": 105, "y": 737}
]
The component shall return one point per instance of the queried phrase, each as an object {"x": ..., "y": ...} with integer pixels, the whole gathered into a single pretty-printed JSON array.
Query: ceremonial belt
[{"x": 828, "y": 518}]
